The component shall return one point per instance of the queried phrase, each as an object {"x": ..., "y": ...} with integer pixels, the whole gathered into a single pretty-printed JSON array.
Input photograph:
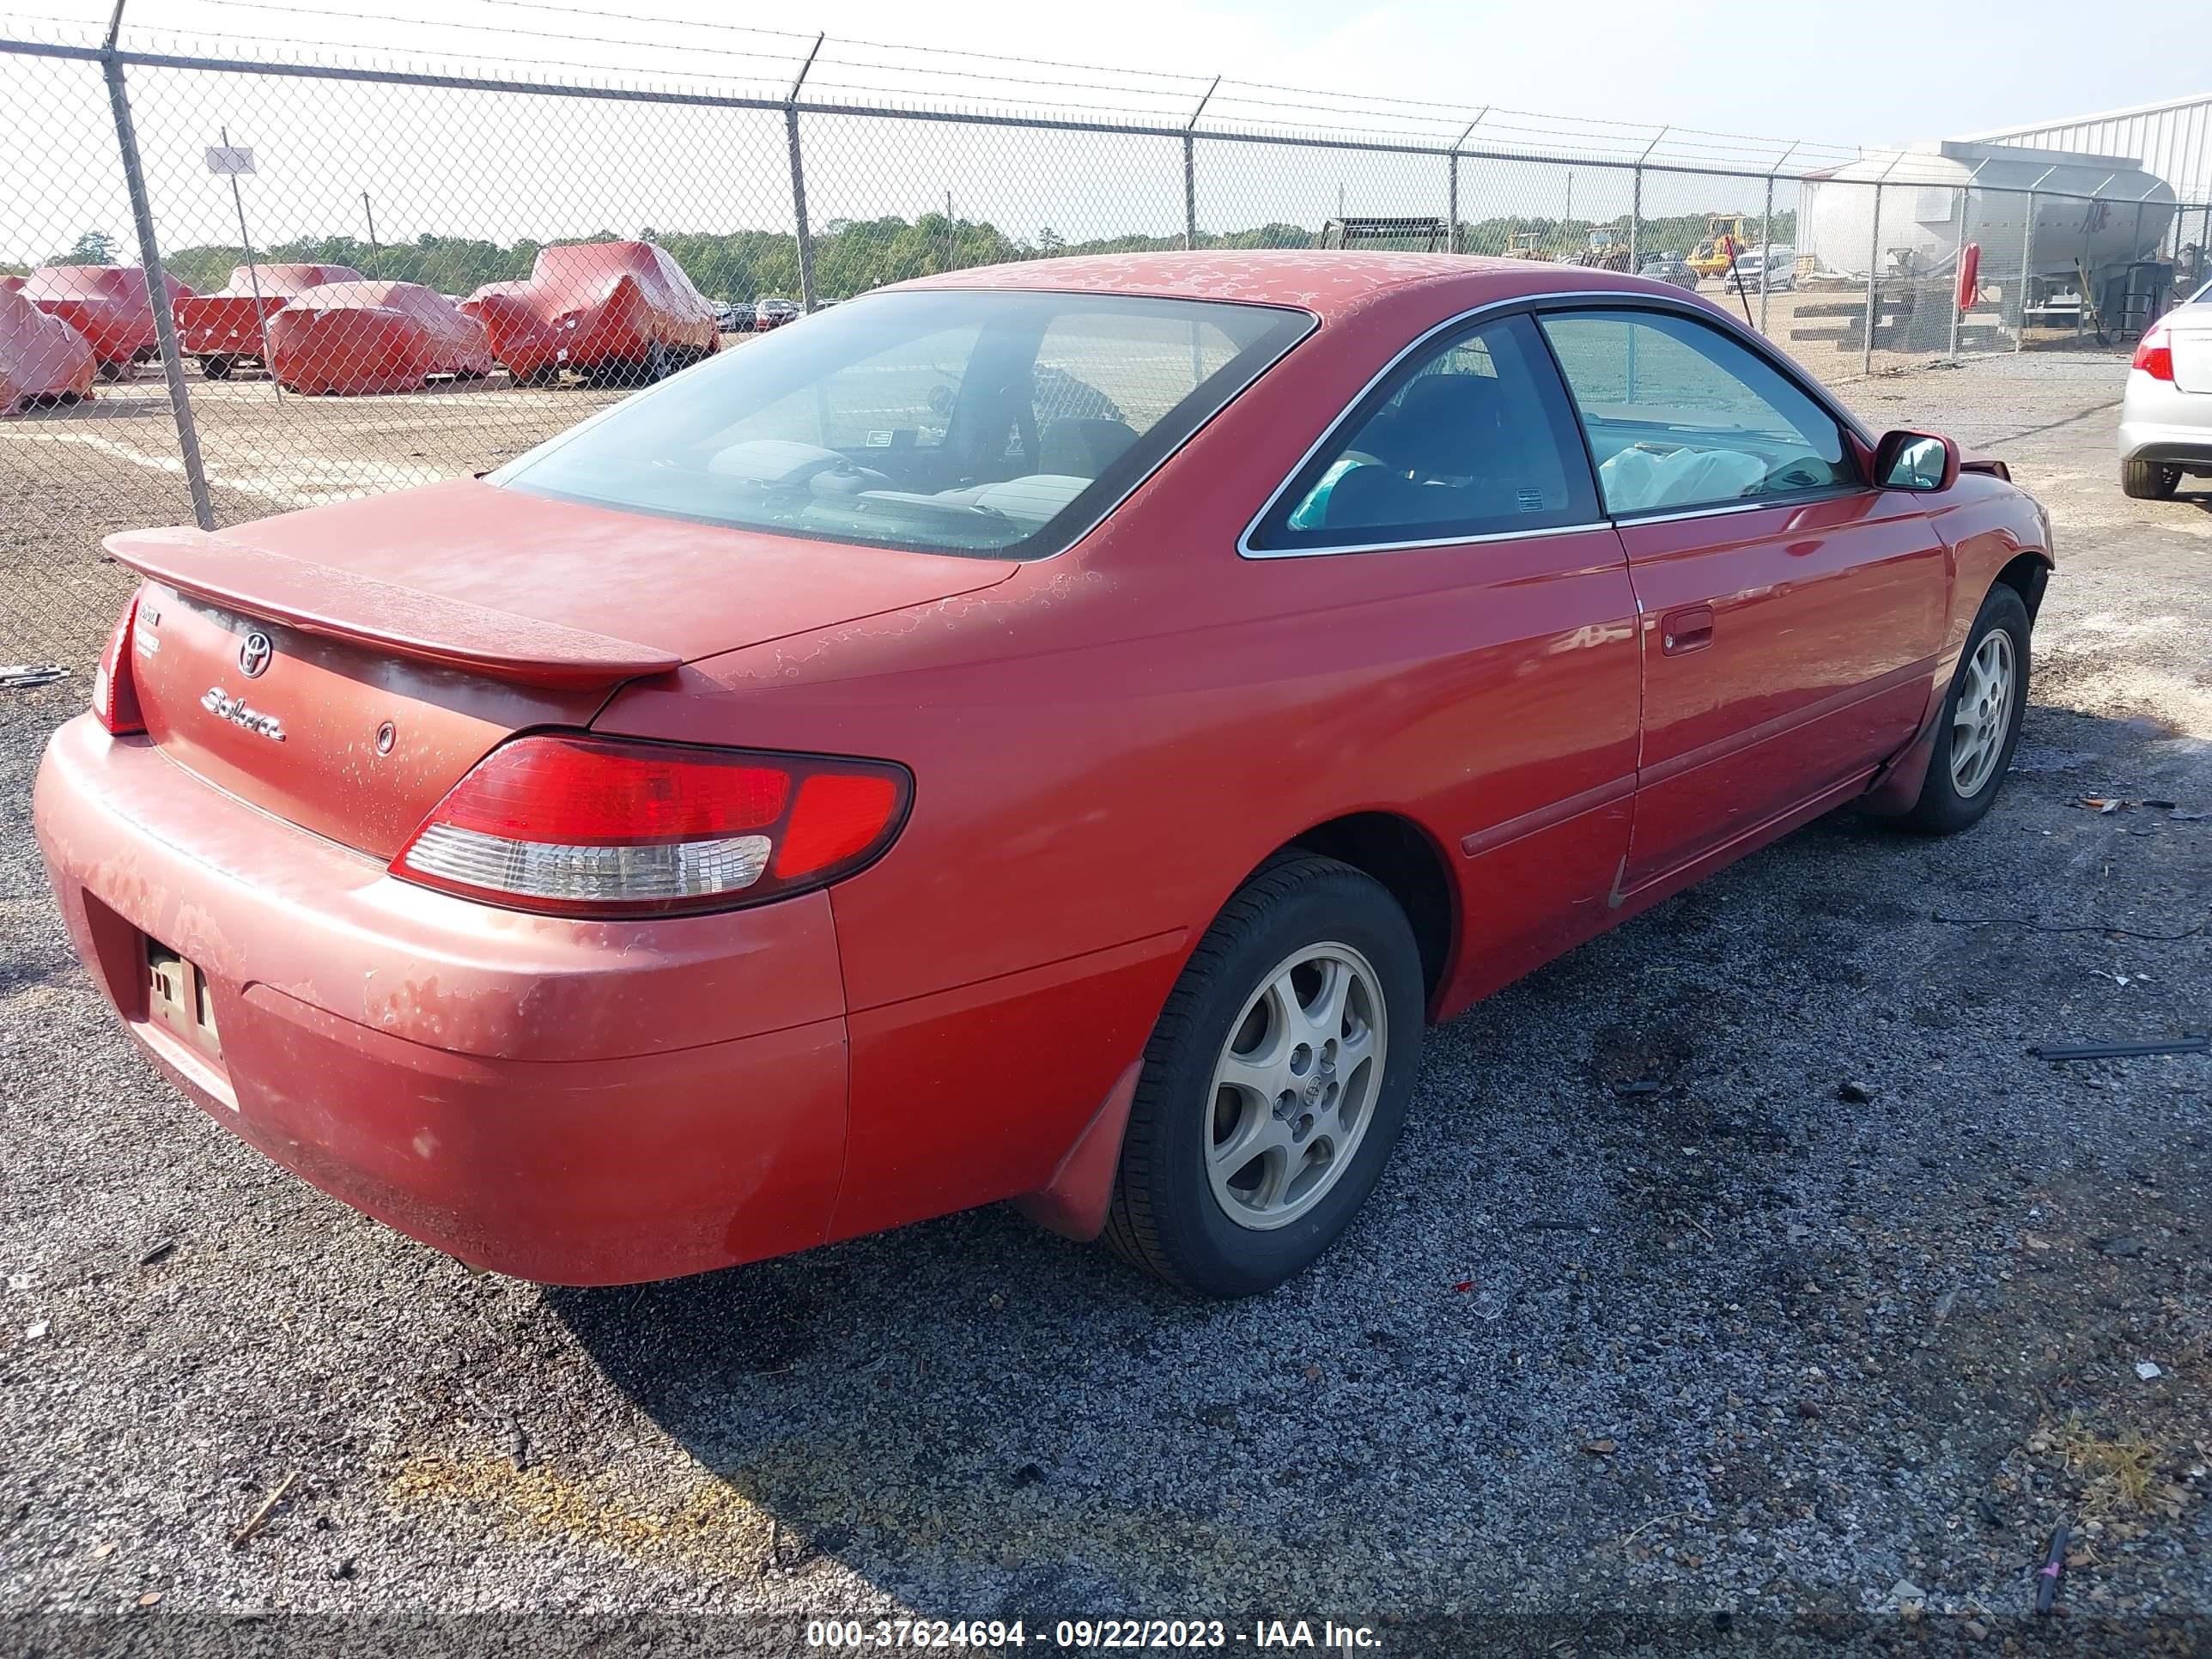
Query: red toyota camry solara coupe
[{"x": 1054, "y": 733}]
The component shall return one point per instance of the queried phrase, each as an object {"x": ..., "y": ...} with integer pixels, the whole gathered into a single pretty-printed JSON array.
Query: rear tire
[
  {"x": 216, "y": 367},
  {"x": 2149, "y": 481},
  {"x": 1979, "y": 726},
  {"x": 1274, "y": 1084}
]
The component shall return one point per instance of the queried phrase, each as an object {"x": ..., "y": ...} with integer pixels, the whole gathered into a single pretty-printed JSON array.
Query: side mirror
[{"x": 1916, "y": 461}]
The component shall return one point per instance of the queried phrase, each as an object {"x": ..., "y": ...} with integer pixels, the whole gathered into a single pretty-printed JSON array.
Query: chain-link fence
[{"x": 380, "y": 276}]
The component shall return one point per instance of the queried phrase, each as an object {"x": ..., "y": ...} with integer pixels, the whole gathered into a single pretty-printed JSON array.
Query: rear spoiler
[
  {"x": 1986, "y": 463},
  {"x": 405, "y": 622}
]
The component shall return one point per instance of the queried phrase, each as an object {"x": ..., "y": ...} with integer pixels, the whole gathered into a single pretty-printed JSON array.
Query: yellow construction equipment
[
  {"x": 1723, "y": 231},
  {"x": 1526, "y": 244}
]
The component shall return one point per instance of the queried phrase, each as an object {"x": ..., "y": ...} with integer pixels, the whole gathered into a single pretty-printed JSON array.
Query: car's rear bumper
[
  {"x": 576, "y": 1102},
  {"x": 2160, "y": 422},
  {"x": 2158, "y": 440}
]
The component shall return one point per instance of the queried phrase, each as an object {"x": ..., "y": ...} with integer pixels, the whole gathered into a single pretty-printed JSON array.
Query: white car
[
  {"x": 2165, "y": 415},
  {"x": 1779, "y": 262}
]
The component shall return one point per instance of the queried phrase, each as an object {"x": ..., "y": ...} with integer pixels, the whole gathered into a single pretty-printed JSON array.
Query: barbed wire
[{"x": 941, "y": 76}]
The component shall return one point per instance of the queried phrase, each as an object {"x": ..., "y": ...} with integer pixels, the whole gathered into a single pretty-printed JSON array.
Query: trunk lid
[
  {"x": 2190, "y": 331},
  {"x": 406, "y": 636}
]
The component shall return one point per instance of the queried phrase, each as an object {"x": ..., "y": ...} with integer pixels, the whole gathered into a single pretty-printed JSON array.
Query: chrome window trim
[
  {"x": 1533, "y": 303},
  {"x": 1437, "y": 541},
  {"x": 1764, "y": 503}
]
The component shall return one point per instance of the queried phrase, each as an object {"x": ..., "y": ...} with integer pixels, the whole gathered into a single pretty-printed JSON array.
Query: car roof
[{"x": 1328, "y": 281}]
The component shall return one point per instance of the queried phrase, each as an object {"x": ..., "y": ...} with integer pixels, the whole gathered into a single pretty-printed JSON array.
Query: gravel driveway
[{"x": 1845, "y": 1315}]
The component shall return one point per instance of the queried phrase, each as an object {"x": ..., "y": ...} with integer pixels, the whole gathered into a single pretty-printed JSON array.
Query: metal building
[{"x": 2172, "y": 140}]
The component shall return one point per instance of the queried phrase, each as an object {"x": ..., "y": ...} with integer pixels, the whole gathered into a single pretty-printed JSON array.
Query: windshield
[{"x": 996, "y": 423}]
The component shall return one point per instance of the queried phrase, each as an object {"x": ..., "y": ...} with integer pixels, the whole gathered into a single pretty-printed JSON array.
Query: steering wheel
[
  {"x": 846, "y": 477},
  {"x": 1802, "y": 472}
]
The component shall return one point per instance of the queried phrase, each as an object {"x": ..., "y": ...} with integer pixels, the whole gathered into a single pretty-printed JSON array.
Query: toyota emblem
[{"x": 253, "y": 656}]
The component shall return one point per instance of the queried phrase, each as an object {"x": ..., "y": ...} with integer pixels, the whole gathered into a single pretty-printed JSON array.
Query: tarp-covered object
[
  {"x": 42, "y": 358},
  {"x": 348, "y": 338},
  {"x": 227, "y": 324},
  {"x": 609, "y": 310},
  {"x": 107, "y": 304}
]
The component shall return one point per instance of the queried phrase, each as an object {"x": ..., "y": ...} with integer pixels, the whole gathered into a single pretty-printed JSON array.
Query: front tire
[
  {"x": 2149, "y": 481},
  {"x": 1979, "y": 724},
  {"x": 1275, "y": 1083}
]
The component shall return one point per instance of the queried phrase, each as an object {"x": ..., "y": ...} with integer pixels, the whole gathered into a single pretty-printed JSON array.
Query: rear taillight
[
  {"x": 579, "y": 825},
  {"x": 114, "y": 687},
  {"x": 2154, "y": 354}
]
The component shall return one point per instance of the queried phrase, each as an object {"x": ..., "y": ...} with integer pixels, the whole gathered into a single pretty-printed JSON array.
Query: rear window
[{"x": 990, "y": 422}]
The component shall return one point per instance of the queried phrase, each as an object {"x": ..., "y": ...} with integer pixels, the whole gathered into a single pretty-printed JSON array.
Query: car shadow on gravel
[{"x": 1744, "y": 1241}]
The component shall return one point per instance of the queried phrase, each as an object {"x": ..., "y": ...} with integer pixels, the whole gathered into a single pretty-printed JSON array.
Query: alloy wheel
[
  {"x": 1295, "y": 1086},
  {"x": 1982, "y": 715}
]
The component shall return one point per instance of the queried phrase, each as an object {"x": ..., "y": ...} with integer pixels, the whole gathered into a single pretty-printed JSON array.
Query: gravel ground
[{"x": 1742, "y": 1362}]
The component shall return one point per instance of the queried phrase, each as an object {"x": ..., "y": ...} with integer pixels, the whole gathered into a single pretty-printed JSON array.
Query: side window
[
  {"x": 1680, "y": 417},
  {"x": 1472, "y": 438}
]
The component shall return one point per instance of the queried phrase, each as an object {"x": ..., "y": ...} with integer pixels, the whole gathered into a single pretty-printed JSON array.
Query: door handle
[{"x": 1690, "y": 628}]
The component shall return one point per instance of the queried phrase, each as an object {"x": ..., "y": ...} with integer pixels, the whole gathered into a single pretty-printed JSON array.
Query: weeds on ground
[{"x": 2118, "y": 1473}]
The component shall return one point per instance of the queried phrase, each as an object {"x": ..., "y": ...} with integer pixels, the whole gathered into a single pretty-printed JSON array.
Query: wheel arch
[
  {"x": 2027, "y": 574},
  {"x": 1398, "y": 852}
]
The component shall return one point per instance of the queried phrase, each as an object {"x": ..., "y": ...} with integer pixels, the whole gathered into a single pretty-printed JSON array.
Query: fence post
[
  {"x": 1189, "y": 193},
  {"x": 1767, "y": 234},
  {"x": 1636, "y": 201},
  {"x": 1451, "y": 223},
  {"x": 1959, "y": 265},
  {"x": 803, "y": 239},
  {"x": 1874, "y": 286},
  {"x": 157, "y": 286},
  {"x": 2027, "y": 259},
  {"x": 1767, "y": 251},
  {"x": 1190, "y": 170}
]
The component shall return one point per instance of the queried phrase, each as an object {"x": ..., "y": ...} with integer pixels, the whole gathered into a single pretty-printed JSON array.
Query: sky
[
  {"x": 1813, "y": 71},
  {"x": 1829, "y": 77}
]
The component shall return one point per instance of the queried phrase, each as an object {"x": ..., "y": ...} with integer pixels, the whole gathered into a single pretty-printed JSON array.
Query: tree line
[{"x": 850, "y": 256}]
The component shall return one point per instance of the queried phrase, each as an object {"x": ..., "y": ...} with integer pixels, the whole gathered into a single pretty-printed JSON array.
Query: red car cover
[
  {"x": 228, "y": 324},
  {"x": 352, "y": 338},
  {"x": 597, "y": 307},
  {"x": 42, "y": 359},
  {"x": 12, "y": 284},
  {"x": 107, "y": 304}
]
